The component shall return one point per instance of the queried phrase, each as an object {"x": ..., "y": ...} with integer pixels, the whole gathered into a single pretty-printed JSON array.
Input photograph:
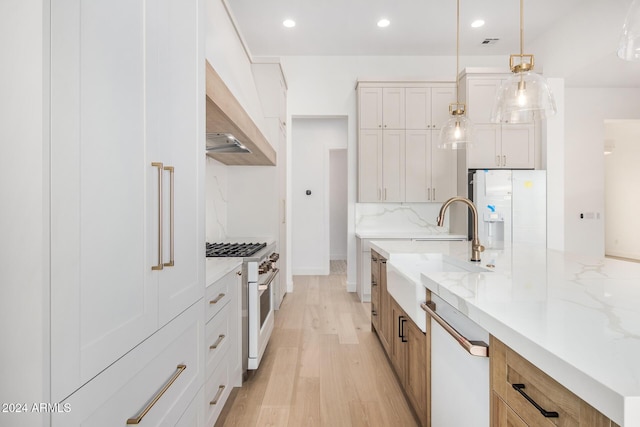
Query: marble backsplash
[
  {"x": 216, "y": 200},
  {"x": 399, "y": 217}
]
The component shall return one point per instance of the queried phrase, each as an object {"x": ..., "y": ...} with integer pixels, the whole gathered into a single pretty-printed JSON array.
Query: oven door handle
[{"x": 269, "y": 280}]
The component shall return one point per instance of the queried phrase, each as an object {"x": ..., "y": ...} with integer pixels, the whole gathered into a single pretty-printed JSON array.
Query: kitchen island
[{"x": 576, "y": 318}]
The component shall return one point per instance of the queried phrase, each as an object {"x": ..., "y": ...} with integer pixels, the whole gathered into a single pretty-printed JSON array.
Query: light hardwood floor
[{"x": 323, "y": 366}]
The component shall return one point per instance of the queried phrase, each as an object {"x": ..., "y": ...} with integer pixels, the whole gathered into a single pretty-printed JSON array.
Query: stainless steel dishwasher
[{"x": 460, "y": 394}]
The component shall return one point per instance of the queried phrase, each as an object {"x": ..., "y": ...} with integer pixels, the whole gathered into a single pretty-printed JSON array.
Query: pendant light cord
[
  {"x": 458, "y": 51},
  {"x": 521, "y": 29}
]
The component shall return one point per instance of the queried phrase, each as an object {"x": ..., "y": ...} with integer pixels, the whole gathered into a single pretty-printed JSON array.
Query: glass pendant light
[
  {"x": 629, "y": 47},
  {"x": 457, "y": 132},
  {"x": 525, "y": 96}
]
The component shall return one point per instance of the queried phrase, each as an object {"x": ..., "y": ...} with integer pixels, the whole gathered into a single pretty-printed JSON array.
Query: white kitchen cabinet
[
  {"x": 381, "y": 108},
  {"x": 428, "y": 107},
  {"x": 381, "y": 160},
  {"x": 495, "y": 146},
  {"x": 502, "y": 147},
  {"x": 168, "y": 366},
  {"x": 389, "y": 169},
  {"x": 125, "y": 98},
  {"x": 430, "y": 172}
]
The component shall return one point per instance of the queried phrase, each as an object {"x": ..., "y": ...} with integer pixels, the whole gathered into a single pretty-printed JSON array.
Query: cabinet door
[
  {"x": 103, "y": 292},
  {"x": 418, "y": 108},
  {"x": 370, "y": 108},
  {"x": 485, "y": 152},
  {"x": 418, "y": 166},
  {"x": 370, "y": 166},
  {"x": 481, "y": 94},
  {"x": 518, "y": 147},
  {"x": 416, "y": 369},
  {"x": 385, "y": 310},
  {"x": 397, "y": 344},
  {"x": 441, "y": 97},
  {"x": 393, "y": 108},
  {"x": 181, "y": 121},
  {"x": 375, "y": 290},
  {"x": 393, "y": 159},
  {"x": 502, "y": 415},
  {"x": 444, "y": 168}
]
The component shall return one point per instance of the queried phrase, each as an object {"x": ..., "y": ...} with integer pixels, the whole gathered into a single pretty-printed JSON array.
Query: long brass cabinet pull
[
  {"x": 217, "y": 396},
  {"x": 218, "y": 298},
  {"x": 217, "y": 343},
  {"x": 138, "y": 418},
  {"x": 171, "y": 262},
  {"x": 160, "y": 167},
  {"x": 474, "y": 348}
]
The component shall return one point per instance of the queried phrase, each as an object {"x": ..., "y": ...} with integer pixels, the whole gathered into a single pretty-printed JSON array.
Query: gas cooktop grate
[{"x": 233, "y": 249}]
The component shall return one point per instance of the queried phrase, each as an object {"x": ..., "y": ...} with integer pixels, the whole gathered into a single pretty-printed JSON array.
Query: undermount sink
[{"x": 404, "y": 283}]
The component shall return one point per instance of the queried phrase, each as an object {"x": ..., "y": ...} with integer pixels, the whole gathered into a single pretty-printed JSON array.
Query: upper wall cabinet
[
  {"x": 496, "y": 146},
  {"x": 381, "y": 108},
  {"x": 428, "y": 107}
]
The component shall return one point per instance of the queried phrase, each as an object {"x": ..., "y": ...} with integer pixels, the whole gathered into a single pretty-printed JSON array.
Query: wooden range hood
[{"x": 226, "y": 115}]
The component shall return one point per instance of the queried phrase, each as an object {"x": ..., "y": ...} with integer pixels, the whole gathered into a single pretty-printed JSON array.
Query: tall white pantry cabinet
[{"x": 124, "y": 136}]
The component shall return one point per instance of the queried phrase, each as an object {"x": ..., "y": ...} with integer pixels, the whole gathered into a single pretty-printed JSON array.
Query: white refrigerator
[{"x": 512, "y": 207}]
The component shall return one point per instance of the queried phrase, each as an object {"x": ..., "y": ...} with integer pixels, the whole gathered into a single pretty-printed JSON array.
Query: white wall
[
  {"x": 312, "y": 140},
  {"x": 24, "y": 229},
  {"x": 622, "y": 198},
  {"x": 585, "y": 113},
  {"x": 325, "y": 86},
  {"x": 338, "y": 173},
  {"x": 216, "y": 200}
]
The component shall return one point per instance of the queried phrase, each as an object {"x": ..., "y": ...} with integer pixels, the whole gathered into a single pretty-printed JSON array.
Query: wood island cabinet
[
  {"x": 380, "y": 318},
  {"x": 510, "y": 407},
  {"x": 408, "y": 355}
]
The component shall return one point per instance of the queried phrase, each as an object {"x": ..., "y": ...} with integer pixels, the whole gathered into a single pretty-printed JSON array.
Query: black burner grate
[{"x": 233, "y": 249}]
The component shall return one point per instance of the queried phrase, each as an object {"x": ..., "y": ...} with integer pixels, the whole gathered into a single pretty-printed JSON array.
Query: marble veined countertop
[
  {"x": 372, "y": 234},
  {"x": 575, "y": 317}
]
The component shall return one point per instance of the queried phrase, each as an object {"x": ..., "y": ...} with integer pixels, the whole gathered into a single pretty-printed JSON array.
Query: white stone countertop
[
  {"x": 217, "y": 267},
  {"x": 575, "y": 317},
  {"x": 373, "y": 234}
]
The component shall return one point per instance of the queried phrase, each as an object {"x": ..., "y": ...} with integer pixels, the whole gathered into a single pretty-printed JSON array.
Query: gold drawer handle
[
  {"x": 218, "y": 394},
  {"x": 217, "y": 343},
  {"x": 217, "y": 299},
  {"x": 140, "y": 416}
]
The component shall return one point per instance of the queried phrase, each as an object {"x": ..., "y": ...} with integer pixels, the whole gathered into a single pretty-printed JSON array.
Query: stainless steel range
[{"x": 258, "y": 271}]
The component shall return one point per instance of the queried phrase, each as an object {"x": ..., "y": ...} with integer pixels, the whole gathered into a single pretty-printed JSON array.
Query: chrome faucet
[{"x": 476, "y": 247}]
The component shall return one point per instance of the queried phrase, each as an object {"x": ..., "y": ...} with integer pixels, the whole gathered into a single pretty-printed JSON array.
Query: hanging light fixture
[
  {"x": 457, "y": 132},
  {"x": 629, "y": 47},
  {"x": 525, "y": 96}
]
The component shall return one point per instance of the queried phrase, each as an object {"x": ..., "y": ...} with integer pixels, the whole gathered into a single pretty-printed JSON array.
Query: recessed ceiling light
[
  {"x": 477, "y": 23},
  {"x": 289, "y": 23},
  {"x": 384, "y": 22}
]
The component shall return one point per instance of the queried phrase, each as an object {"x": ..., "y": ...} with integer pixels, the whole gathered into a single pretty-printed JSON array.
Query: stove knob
[{"x": 274, "y": 257}]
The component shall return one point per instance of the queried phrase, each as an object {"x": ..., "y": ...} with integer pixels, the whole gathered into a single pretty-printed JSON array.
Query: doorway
[
  {"x": 313, "y": 140},
  {"x": 622, "y": 198},
  {"x": 338, "y": 211}
]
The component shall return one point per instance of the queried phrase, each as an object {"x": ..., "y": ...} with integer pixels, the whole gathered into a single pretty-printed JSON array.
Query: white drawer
[
  {"x": 217, "y": 390},
  {"x": 194, "y": 415},
  {"x": 220, "y": 293},
  {"x": 127, "y": 387},
  {"x": 218, "y": 338}
]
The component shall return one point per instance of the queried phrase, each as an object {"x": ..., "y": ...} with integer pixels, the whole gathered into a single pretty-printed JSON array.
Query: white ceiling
[
  {"x": 427, "y": 28},
  {"x": 418, "y": 27}
]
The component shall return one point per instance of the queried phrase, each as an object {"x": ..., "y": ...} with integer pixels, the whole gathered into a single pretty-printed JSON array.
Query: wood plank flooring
[{"x": 323, "y": 366}]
